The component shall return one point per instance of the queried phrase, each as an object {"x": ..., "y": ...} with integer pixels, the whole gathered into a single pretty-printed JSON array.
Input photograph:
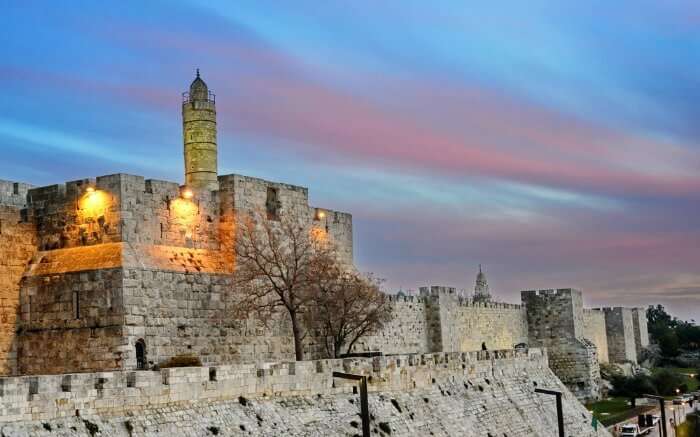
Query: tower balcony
[{"x": 186, "y": 98}]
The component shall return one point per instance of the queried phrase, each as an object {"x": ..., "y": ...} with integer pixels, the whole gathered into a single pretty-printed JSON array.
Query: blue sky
[{"x": 556, "y": 143}]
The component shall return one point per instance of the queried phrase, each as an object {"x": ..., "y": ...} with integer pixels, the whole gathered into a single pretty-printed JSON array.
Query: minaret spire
[{"x": 481, "y": 290}]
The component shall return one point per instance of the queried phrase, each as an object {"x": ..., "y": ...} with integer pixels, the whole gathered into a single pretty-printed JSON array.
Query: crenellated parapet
[{"x": 47, "y": 397}]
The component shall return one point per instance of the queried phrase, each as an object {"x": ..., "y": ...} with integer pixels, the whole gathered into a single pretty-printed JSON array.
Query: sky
[{"x": 556, "y": 143}]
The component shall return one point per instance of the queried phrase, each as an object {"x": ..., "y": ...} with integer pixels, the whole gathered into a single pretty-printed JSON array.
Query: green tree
[
  {"x": 668, "y": 342},
  {"x": 659, "y": 321},
  {"x": 632, "y": 387},
  {"x": 666, "y": 382},
  {"x": 688, "y": 335}
]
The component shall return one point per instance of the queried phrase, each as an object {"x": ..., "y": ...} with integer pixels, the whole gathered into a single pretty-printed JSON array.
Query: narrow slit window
[{"x": 76, "y": 305}]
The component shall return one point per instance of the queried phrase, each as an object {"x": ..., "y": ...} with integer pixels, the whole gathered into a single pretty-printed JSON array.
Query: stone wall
[
  {"x": 619, "y": 325},
  {"x": 17, "y": 243},
  {"x": 439, "y": 321},
  {"x": 641, "y": 331},
  {"x": 412, "y": 395},
  {"x": 122, "y": 259},
  {"x": 594, "y": 331},
  {"x": 13, "y": 193},
  {"x": 406, "y": 333},
  {"x": 71, "y": 321},
  {"x": 245, "y": 195},
  {"x": 555, "y": 320},
  {"x": 470, "y": 325}
]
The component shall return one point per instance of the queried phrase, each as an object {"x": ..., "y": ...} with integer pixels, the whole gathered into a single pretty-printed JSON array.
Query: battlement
[
  {"x": 13, "y": 193},
  {"x": 52, "y": 396},
  {"x": 548, "y": 292}
]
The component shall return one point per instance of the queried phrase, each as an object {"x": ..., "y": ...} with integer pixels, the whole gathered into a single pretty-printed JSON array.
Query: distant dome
[{"x": 199, "y": 89}]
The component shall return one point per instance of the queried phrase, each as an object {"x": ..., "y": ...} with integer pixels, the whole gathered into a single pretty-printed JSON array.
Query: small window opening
[
  {"x": 15, "y": 188},
  {"x": 272, "y": 204},
  {"x": 141, "y": 354}
]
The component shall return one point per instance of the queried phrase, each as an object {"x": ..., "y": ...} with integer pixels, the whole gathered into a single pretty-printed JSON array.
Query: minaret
[
  {"x": 199, "y": 136},
  {"x": 481, "y": 290}
]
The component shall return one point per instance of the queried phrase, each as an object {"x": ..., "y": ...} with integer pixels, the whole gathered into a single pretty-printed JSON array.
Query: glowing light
[
  {"x": 184, "y": 213},
  {"x": 93, "y": 203},
  {"x": 319, "y": 236},
  {"x": 321, "y": 214},
  {"x": 187, "y": 193}
]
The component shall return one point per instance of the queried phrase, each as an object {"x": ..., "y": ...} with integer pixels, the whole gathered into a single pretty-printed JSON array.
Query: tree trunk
[
  {"x": 296, "y": 331},
  {"x": 633, "y": 403},
  {"x": 337, "y": 347}
]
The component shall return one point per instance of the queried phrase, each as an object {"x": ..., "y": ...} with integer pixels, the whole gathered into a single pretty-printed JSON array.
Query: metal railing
[{"x": 186, "y": 97}]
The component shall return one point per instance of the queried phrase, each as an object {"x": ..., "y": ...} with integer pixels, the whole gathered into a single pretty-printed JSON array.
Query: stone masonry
[
  {"x": 555, "y": 321},
  {"x": 619, "y": 325},
  {"x": 594, "y": 330},
  {"x": 641, "y": 331},
  {"x": 447, "y": 394},
  {"x": 17, "y": 245}
]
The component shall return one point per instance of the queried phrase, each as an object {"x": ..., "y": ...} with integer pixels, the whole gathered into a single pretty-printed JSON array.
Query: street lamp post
[
  {"x": 364, "y": 405},
  {"x": 560, "y": 413},
  {"x": 662, "y": 406}
]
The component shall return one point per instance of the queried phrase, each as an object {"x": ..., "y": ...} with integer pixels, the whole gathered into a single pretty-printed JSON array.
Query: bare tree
[
  {"x": 346, "y": 306},
  {"x": 277, "y": 265}
]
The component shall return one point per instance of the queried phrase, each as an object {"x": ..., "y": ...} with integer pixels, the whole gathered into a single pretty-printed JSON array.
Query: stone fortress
[{"x": 114, "y": 274}]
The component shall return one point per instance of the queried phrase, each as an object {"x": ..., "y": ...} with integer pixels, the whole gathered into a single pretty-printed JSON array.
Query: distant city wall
[
  {"x": 477, "y": 393},
  {"x": 438, "y": 321},
  {"x": 555, "y": 320},
  {"x": 641, "y": 330},
  {"x": 594, "y": 330},
  {"x": 619, "y": 326}
]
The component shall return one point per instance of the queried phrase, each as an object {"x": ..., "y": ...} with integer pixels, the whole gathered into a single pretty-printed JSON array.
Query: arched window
[{"x": 141, "y": 354}]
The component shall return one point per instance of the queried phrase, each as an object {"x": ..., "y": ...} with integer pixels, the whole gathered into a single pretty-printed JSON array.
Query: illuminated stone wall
[
  {"x": 17, "y": 245},
  {"x": 120, "y": 258},
  {"x": 72, "y": 322}
]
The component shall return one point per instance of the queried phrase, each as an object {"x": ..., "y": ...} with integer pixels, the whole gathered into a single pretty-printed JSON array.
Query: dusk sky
[{"x": 557, "y": 143}]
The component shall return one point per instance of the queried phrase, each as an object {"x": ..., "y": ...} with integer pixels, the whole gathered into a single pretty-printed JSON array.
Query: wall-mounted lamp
[
  {"x": 187, "y": 193},
  {"x": 319, "y": 215}
]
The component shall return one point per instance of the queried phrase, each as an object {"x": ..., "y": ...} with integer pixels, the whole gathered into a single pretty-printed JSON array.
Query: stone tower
[
  {"x": 481, "y": 290},
  {"x": 199, "y": 136}
]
